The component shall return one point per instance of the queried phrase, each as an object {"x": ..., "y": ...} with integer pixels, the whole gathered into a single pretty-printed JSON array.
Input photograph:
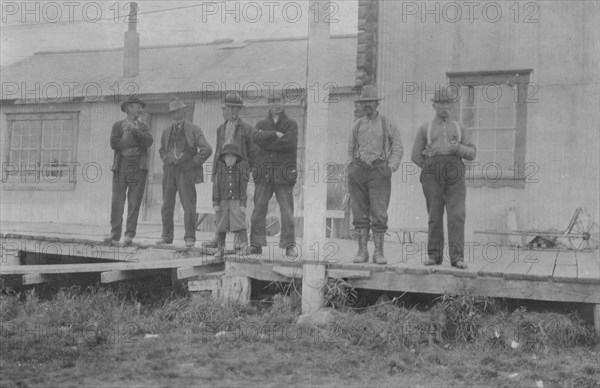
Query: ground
[{"x": 126, "y": 337}]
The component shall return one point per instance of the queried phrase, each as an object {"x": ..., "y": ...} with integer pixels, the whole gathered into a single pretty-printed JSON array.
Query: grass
[{"x": 119, "y": 336}]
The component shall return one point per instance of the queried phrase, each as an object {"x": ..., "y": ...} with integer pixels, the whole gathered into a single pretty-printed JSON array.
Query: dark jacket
[
  {"x": 242, "y": 138},
  {"x": 141, "y": 138},
  {"x": 231, "y": 182},
  {"x": 201, "y": 150},
  {"x": 275, "y": 160}
]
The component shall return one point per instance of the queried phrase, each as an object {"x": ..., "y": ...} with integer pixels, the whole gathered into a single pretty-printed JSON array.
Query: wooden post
[
  {"x": 597, "y": 319},
  {"x": 234, "y": 288},
  {"x": 315, "y": 166}
]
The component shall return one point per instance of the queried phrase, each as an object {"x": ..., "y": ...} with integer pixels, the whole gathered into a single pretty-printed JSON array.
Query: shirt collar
[{"x": 376, "y": 119}]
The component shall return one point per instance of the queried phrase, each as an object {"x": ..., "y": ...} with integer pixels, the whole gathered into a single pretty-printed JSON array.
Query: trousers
[
  {"x": 179, "y": 178},
  {"x": 370, "y": 188},
  {"x": 444, "y": 187},
  {"x": 129, "y": 182},
  {"x": 285, "y": 197}
]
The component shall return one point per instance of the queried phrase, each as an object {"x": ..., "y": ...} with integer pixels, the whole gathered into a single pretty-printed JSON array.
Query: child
[{"x": 229, "y": 196}]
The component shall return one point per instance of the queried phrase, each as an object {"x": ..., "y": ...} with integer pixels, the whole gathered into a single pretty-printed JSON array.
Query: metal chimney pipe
[{"x": 131, "y": 54}]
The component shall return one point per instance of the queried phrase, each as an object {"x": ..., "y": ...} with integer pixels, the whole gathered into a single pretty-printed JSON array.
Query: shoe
[
  {"x": 362, "y": 256},
  {"x": 460, "y": 264},
  {"x": 190, "y": 243},
  {"x": 220, "y": 253},
  {"x": 291, "y": 252},
  {"x": 378, "y": 257},
  {"x": 254, "y": 250},
  {"x": 211, "y": 244},
  {"x": 163, "y": 241},
  {"x": 432, "y": 261},
  {"x": 110, "y": 240},
  {"x": 127, "y": 240}
]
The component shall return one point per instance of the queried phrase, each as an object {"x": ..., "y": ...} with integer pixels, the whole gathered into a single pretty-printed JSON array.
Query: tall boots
[
  {"x": 363, "y": 254},
  {"x": 378, "y": 257}
]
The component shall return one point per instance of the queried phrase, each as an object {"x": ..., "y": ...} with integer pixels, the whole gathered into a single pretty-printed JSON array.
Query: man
[
  {"x": 130, "y": 139},
  {"x": 374, "y": 153},
  {"x": 183, "y": 150},
  {"x": 440, "y": 147},
  {"x": 237, "y": 132},
  {"x": 275, "y": 171}
]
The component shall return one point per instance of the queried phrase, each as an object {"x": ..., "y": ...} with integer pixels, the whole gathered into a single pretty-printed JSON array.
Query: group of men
[
  {"x": 374, "y": 154},
  {"x": 269, "y": 152}
]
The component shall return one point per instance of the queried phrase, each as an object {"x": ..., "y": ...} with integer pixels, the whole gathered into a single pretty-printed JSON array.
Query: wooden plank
[
  {"x": 588, "y": 270},
  {"x": 103, "y": 267},
  {"x": 204, "y": 285},
  {"x": 485, "y": 286},
  {"x": 192, "y": 272},
  {"x": 348, "y": 274},
  {"x": 116, "y": 276},
  {"x": 498, "y": 259},
  {"x": 566, "y": 258},
  {"x": 288, "y": 272},
  {"x": 543, "y": 269},
  {"x": 255, "y": 271},
  {"x": 35, "y": 278},
  {"x": 565, "y": 273},
  {"x": 523, "y": 260},
  {"x": 314, "y": 279}
]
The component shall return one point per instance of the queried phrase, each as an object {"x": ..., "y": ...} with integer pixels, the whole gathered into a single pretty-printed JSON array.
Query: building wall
[
  {"x": 561, "y": 45},
  {"x": 89, "y": 202}
]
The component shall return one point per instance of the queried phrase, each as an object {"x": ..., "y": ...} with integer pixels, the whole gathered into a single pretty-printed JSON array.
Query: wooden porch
[{"x": 32, "y": 251}]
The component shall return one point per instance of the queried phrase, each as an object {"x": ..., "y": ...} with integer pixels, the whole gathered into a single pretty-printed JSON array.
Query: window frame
[
  {"x": 519, "y": 78},
  {"x": 64, "y": 182}
]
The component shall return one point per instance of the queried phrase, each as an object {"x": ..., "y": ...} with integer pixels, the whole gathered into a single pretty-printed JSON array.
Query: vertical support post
[
  {"x": 315, "y": 166},
  {"x": 597, "y": 319},
  {"x": 234, "y": 288}
]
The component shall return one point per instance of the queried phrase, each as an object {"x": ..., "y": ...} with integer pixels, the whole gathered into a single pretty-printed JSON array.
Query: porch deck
[{"x": 494, "y": 270}]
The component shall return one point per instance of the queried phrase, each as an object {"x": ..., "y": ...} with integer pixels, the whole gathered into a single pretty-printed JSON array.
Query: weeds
[{"x": 338, "y": 293}]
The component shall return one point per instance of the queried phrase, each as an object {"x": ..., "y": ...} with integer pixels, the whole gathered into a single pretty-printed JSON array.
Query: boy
[{"x": 229, "y": 196}]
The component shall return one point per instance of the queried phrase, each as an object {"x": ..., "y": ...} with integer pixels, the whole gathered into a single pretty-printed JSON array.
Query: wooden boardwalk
[{"x": 494, "y": 270}]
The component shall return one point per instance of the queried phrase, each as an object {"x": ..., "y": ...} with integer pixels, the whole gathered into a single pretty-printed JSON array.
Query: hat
[
  {"x": 368, "y": 93},
  {"x": 231, "y": 149},
  {"x": 233, "y": 99},
  {"x": 444, "y": 95},
  {"x": 131, "y": 100},
  {"x": 176, "y": 104}
]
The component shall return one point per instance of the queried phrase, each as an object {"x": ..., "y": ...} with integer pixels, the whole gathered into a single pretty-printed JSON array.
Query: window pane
[
  {"x": 486, "y": 118},
  {"x": 505, "y": 117},
  {"x": 484, "y": 158},
  {"x": 64, "y": 156},
  {"x": 46, "y": 157},
  {"x": 36, "y": 132},
  {"x": 486, "y": 140},
  {"x": 505, "y": 140}
]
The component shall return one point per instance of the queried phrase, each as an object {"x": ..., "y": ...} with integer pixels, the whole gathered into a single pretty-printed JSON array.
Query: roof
[{"x": 220, "y": 65}]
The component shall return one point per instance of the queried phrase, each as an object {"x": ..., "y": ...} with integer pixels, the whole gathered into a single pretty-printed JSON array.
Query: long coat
[
  {"x": 200, "y": 148},
  {"x": 276, "y": 158}
]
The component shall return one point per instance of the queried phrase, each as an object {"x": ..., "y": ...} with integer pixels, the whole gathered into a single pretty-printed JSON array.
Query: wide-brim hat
[
  {"x": 233, "y": 99},
  {"x": 368, "y": 93},
  {"x": 131, "y": 100},
  {"x": 176, "y": 104},
  {"x": 231, "y": 149},
  {"x": 444, "y": 95}
]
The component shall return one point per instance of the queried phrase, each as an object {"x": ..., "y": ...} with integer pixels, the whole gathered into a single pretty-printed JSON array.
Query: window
[
  {"x": 494, "y": 106},
  {"x": 41, "y": 151}
]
